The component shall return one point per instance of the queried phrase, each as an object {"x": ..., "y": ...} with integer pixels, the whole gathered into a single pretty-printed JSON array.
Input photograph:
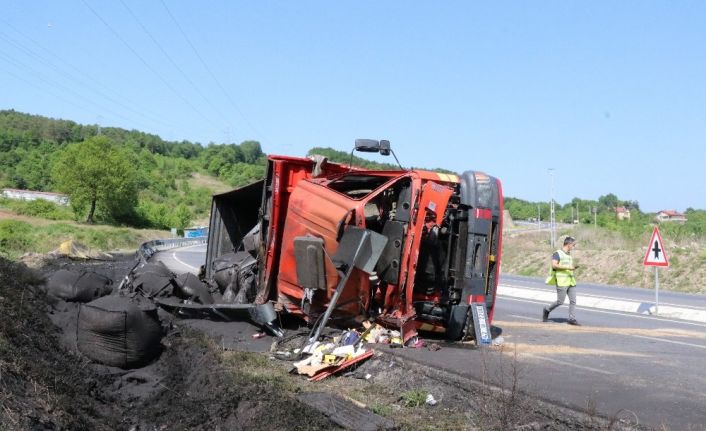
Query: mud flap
[
  {"x": 266, "y": 316},
  {"x": 460, "y": 325},
  {"x": 457, "y": 322}
]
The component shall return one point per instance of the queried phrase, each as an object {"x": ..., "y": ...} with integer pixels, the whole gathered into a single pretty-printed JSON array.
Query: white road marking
[
  {"x": 669, "y": 341},
  {"x": 181, "y": 261},
  {"x": 523, "y": 317},
  {"x": 568, "y": 364}
]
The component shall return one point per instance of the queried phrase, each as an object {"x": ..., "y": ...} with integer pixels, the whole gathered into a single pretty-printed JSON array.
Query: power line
[
  {"x": 208, "y": 69},
  {"x": 33, "y": 84},
  {"x": 174, "y": 63},
  {"x": 25, "y": 67},
  {"x": 33, "y": 53},
  {"x": 144, "y": 62}
]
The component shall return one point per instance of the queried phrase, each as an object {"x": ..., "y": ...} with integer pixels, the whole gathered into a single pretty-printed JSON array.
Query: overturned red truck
[{"x": 412, "y": 249}]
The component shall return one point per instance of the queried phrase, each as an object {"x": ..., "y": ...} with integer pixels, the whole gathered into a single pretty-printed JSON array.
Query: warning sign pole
[
  {"x": 656, "y": 289},
  {"x": 656, "y": 256}
]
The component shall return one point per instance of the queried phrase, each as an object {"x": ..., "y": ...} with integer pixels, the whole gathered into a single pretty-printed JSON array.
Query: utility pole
[
  {"x": 539, "y": 218},
  {"x": 595, "y": 212},
  {"x": 578, "y": 217},
  {"x": 552, "y": 215}
]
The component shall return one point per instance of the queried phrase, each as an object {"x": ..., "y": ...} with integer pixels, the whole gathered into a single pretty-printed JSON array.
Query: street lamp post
[
  {"x": 552, "y": 215},
  {"x": 539, "y": 219}
]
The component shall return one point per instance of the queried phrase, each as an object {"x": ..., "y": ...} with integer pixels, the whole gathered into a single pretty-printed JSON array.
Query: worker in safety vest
[{"x": 562, "y": 276}]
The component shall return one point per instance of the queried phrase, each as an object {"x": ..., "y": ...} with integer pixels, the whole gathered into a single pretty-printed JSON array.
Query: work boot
[
  {"x": 545, "y": 315},
  {"x": 573, "y": 322}
]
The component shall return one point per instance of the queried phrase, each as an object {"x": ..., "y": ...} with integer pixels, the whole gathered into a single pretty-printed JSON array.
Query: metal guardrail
[{"x": 149, "y": 248}]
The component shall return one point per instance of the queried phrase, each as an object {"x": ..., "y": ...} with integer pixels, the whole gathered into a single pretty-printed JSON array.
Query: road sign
[{"x": 656, "y": 255}]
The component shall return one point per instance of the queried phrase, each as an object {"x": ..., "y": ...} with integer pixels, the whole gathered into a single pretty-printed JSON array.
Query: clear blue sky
[{"x": 612, "y": 95}]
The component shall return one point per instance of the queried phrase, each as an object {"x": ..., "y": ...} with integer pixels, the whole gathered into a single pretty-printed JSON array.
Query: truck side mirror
[
  {"x": 384, "y": 147},
  {"x": 367, "y": 145}
]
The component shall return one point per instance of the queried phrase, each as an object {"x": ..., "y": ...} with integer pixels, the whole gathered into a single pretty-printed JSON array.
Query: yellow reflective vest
[{"x": 565, "y": 277}]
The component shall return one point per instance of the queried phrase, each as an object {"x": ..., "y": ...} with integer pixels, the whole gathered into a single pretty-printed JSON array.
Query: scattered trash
[
  {"x": 434, "y": 347},
  {"x": 498, "y": 341},
  {"x": 430, "y": 400},
  {"x": 326, "y": 373},
  {"x": 350, "y": 337},
  {"x": 258, "y": 335},
  {"x": 327, "y": 358},
  {"x": 415, "y": 343}
]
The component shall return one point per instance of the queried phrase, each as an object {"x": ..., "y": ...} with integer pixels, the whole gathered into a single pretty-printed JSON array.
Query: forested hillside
[
  {"x": 136, "y": 178},
  {"x": 132, "y": 178}
]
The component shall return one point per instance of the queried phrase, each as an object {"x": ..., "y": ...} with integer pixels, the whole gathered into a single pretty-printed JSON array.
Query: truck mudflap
[{"x": 480, "y": 213}]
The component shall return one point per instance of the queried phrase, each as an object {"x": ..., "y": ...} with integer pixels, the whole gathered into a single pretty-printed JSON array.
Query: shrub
[
  {"x": 15, "y": 237},
  {"x": 414, "y": 398}
]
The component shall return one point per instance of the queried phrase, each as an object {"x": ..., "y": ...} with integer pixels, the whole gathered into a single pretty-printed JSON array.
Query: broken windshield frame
[{"x": 358, "y": 186}]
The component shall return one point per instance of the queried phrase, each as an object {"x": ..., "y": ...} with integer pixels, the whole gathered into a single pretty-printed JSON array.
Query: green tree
[
  {"x": 98, "y": 174},
  {"x": 251, "y": 151},
  {"x": 609, "y": 201},
  {"x": 182, "y": 217}
]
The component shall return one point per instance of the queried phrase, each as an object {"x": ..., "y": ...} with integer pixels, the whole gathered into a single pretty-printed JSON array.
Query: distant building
[
  {"x": 622, "y": 213},
  {"x": 31, "y": 195},
  {"x": 670, "y": 216}
]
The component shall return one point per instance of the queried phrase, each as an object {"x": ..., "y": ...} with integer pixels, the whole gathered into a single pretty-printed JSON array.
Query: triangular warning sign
[{"x": 656, "y": 255}]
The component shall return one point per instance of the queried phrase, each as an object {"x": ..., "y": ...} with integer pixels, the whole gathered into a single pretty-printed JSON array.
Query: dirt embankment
[
  {"x": 607, "y": 258},
  {"x": 44, "y": 385},
  {"x": 196, "y": 384}
]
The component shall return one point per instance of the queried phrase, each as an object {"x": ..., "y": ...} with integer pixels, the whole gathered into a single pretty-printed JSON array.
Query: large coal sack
[
  {"x": 119, "y": 331},
  {"x": 236, "y": 276},
  {"x": 78, "y": 286},
  {"x": 190, "y": 287},
  {"x": 153, "y": 279}
]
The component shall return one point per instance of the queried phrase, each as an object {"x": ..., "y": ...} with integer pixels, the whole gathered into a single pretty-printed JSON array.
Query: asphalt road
[{"x": 637, "y": 366}]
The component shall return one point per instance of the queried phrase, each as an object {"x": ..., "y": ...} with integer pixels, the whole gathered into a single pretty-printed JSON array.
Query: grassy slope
[
  {"x": 608, "y": 258},
  {"x": 23, "y": 234}
]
